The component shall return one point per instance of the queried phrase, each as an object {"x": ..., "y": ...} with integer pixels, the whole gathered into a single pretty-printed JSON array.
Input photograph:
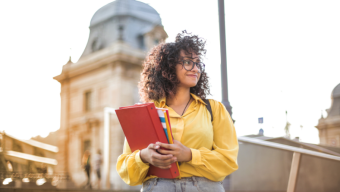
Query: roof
[
  {"x": 262, "y": 137},
  {"x": 124, "y": 8},
  {"x": 335, "y": 149},
  {"x": 121, "y": 20},
  {"x": 37, "y": 144},
  {"x": 336, "y": 91},
  {"x": 334, "y": 110}
]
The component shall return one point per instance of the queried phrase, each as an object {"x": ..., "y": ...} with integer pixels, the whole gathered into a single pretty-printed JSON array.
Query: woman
[
  {"x": 87, "y": 166},
  {"x": 173, "y": 77},
  {"x": 97, "y": 163}
]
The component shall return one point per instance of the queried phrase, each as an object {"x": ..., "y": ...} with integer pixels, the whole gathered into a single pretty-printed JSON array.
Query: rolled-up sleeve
[
  {"x": 130, "y": 166},
  {"x": 220, "y": 161}
]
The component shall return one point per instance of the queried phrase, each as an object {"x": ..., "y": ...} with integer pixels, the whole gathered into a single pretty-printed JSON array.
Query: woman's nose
[{"x": 195, "y": 69}]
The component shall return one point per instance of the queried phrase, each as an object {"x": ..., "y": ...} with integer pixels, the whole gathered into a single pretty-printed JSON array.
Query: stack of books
[{"x": 144, "y": 124}]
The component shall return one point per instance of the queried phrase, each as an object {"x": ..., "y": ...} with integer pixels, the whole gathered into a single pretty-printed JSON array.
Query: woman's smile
[{"x": 192, "y": 75}]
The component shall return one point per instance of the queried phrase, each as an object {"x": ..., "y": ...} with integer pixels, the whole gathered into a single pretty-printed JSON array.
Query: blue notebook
[{"x": 162, "y": 118}]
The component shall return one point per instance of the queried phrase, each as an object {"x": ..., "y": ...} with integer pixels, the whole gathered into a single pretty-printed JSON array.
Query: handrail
[
  {"x": 318, "y": 148},
  {"x": 287, "y": 148},
  {"x": 32, "y": 157}
]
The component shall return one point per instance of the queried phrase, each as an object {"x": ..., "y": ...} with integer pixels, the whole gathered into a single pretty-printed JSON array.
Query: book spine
[{"x": 157, "y": 123}]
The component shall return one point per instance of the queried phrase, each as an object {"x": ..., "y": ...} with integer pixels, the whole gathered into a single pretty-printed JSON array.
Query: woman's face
[{"x": 187, "y": 78}]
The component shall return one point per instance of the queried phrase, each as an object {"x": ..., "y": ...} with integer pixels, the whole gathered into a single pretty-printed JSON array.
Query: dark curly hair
[{"x": 159, "y": 79}]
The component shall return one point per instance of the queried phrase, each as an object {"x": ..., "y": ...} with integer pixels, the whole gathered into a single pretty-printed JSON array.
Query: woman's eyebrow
[{"x": 191, "y": 57}]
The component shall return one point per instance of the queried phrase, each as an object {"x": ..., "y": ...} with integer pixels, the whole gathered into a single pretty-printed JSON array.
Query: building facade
[
  {"x": 106, "y": 75},
  {"x": 28, "y": 159},
  {"x": 329, "y": 127}
]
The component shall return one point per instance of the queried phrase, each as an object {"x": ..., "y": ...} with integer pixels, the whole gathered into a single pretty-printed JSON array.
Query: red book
[{"x": 142, "y": 126}]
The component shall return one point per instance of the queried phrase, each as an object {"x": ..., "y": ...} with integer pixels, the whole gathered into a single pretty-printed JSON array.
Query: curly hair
[{"x": 159, "y": 79}]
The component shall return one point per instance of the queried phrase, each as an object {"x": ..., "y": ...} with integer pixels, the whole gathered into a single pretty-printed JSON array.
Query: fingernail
[{"x": 157, "y": 147}]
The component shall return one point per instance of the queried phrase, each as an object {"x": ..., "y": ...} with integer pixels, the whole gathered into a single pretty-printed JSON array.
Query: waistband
[{"x": 191, "y": 179}]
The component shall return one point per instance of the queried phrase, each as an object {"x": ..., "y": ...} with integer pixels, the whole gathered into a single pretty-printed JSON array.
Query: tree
[{"x": 287, "y": 127}]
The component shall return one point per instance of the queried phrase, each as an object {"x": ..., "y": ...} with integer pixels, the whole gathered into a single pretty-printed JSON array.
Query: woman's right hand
[{"x": 150, "y": 155}]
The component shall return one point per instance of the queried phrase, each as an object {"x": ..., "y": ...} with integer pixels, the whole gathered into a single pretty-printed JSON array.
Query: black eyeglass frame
[{"x": 194, "y": 63}]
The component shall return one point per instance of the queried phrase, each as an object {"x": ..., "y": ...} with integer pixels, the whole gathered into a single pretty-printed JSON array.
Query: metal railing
[{"x": 297, "y": 152}]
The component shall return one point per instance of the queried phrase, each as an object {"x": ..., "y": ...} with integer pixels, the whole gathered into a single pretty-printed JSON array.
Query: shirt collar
[
  {"x": 197, "y": 99},
  {"x": 161, "y": 103}
]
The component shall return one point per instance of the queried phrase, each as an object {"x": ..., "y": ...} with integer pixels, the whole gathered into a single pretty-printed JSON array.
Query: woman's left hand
[{"x": 181, "y": 152}]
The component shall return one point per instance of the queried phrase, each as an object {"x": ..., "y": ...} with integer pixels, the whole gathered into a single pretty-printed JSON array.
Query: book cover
[{"x": 142, "y": 126}]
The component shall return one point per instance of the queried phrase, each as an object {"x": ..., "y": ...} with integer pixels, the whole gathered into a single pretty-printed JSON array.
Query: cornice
[
  {"x": 118, "y": 51},
  {"x": 329, "y": 122}
]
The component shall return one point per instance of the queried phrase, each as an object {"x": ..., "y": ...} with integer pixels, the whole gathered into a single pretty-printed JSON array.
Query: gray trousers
[{"x": 187, "y": 184}]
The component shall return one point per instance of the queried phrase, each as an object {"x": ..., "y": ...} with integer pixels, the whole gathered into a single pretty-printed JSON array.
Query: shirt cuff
[
  {"x": 139, "y": 161},
  {"x": 195, "y": 157}
]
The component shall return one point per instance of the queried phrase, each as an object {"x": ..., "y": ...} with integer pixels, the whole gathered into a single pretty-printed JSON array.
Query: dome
[
  {"x": 335, "y": 106},
  {"x": 336, "y": 91},
  {"x": 126, "y": 8},
  {"x": 123, "y": 20}
]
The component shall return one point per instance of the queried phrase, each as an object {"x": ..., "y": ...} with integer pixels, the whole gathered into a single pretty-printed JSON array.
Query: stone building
[
  {"x": 26, "y": 155},
  {"x": 106, "y": 75},
  {"x": 329, "y": 127},
  {"x": 28, "y": 159}
]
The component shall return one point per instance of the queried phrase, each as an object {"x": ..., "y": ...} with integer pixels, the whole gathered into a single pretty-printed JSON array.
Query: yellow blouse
[{"x": 214, "y": 146}]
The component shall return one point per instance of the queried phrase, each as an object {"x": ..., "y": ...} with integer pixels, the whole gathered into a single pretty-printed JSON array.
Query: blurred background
[{"x": 63, "y": 62}]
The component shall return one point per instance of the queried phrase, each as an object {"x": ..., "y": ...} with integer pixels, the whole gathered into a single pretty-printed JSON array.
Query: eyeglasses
[{"x": 189, "y": 65}]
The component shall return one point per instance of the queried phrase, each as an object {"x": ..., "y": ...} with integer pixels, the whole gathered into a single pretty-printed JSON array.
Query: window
[
  {"x": 141, "y": 42},
  {"x": 88, "y": 101},
  {"x": 38, "y": 152},
  {"x": 16, "y": 146},
  {"x": 97, "y": 45},
  {"x": 86, "y": 146},
  {"x": 94, "y": 45}
]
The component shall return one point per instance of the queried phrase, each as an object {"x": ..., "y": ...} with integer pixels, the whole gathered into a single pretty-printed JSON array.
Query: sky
[{"x": 281, "y": 56}]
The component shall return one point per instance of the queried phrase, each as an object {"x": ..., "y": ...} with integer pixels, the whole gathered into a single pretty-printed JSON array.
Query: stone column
[{"x": 62, "y": 156}]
